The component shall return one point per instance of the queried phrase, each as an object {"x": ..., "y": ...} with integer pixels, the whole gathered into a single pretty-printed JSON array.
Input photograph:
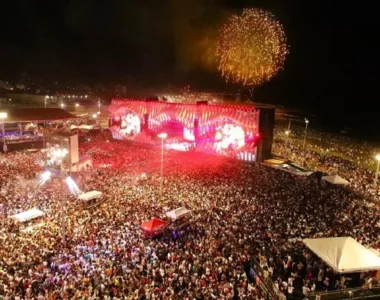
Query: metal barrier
[
  {"x": 353, "y": 293},
  {"x": 267, "y": 285}
]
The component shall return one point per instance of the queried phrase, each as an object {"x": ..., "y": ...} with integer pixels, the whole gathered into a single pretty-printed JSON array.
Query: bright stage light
[
  {"x": 73, "y": 187},
  {"x": 55, "y": 155},
  {"x": 130, "y": 124},
  {"x": 179, "y": 146},
  {"x": 229, "y": 135},
  {"x": 163, "y": 135},
  {"x": 45, "y": 176},
  {"x": 188, "y": 134}
]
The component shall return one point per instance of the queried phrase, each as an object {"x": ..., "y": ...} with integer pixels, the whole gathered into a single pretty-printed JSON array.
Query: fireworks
[{"x": 251, "y": 48}]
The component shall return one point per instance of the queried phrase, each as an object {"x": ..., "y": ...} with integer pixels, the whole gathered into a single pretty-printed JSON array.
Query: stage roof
[{"x": 36, "y": 114}]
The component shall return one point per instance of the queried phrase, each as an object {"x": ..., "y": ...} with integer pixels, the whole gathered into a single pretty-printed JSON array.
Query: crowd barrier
[
  {"x": 352, "y": 293},
  {"x": 264, "y": 283}
]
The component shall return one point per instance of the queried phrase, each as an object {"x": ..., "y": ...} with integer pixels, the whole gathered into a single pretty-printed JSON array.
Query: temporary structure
[
  {"x": 344, "y": 254},
  {"x": 90, "y": 196},
  {"x": 28, "y": 215},
  {"x": 178, "y": 213},
  {"x": 335, "y": 179},
  {"x": 154, "y": 225}
]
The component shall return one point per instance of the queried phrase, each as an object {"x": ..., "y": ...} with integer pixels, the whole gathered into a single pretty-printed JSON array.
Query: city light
[
  {"x": 94, "y": 116},
  {"x": 76, "y": 104},
  {"x": 62, "y": 105}
]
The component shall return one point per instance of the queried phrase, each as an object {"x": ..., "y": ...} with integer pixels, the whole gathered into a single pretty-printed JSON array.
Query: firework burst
[{"x": 251, "y": 48}]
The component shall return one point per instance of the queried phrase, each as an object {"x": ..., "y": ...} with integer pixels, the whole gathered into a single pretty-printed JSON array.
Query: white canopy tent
[
  {"x": 344, "y": 254},
  {"x": 178, "y": 213},
  {"x": 28, "y": 215},
  {"x": 90, "y": 196},
  {"x": 335, "y": 179}
]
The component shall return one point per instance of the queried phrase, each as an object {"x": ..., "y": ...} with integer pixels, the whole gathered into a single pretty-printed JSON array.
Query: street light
[
  {"x": 377, "y": 169},
  {"x": 76, "y": 104},
  {"x": 290, "y": 122},
  {"x": 287, "y": 133},
  {"x": 3, "y": 116},
  {"x": 62, "y": 154},
  {"x": 162, "y": 136},
  {"x": 62, "y": 105},
  {"x": 304, "y": 139}
]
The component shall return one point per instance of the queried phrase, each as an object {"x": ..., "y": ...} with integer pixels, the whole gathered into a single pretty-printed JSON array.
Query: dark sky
[{"x": 333, "y": 61}]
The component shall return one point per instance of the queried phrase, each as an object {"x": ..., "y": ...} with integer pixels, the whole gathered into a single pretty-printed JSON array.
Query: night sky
[{"x": 333, "y": 44}]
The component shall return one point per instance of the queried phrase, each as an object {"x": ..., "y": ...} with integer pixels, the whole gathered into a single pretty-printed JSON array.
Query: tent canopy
[
  {"x": 28, "y": 215},
  {"x": 335, "y": 179},
  {"x": 90, "y": 195},
  {"x": 178, "y": 213},
  {"x": 344, "y": 254},
  {"x": 153, "y": 225}
]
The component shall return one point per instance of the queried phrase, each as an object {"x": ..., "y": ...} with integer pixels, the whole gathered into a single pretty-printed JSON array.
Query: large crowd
[
  {"x": 243, "y": 215},
  {"x": 335, "y": 154}
]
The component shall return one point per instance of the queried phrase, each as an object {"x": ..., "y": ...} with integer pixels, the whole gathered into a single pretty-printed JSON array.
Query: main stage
[{"x": 231, "y": 130}]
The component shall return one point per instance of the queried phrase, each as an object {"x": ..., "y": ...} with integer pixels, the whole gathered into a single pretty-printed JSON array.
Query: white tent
[
  {"x": 344, "y": 254},
  {"x": 335, "y": 179},
  {"x": 90, "y": 195},
  {"x": 28, "y": 215},
  {"x": 178, "y": 213}
]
